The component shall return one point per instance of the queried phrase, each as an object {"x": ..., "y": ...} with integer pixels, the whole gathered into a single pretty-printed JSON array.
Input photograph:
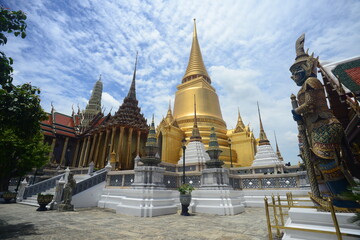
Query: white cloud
[
  {"x": 109, "y": 102},
  {"x": 247, "y": 48}
]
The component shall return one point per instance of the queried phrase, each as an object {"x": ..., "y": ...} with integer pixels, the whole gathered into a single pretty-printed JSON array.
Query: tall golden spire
[
  {"x": 277, "y": 149},
  {"x": 196, "y": 66},
  {"x": 262, "y": 137},
  {"x": 195, "y": 131}
]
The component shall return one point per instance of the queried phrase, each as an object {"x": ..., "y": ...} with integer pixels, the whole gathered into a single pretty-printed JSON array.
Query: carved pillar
[
  {"x": 96, "y": 159},
  {"x": 91, "y": 156},
  {"x": 120, "y": 143},
  {"x": 103, "y": 155},
  {"x": 52, "y": 148},
  {"x": 64, "y": 152},
  {"x": 112, "y": 139},
  {"x": 138, "y": 143},
  {"x": 83, "y": 146},
  {"x": 85, "y": 161},
  {"x": 128, "y": 152},
  {"x": 73, "y": 164}
]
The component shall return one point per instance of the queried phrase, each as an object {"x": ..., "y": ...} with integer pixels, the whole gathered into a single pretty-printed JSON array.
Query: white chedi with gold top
[
  {"x": 266, "y": 156},
  {"x": 195, "y": 153}
]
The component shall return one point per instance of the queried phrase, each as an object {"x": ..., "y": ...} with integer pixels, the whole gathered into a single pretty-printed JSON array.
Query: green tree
[{"x": 21, "y": 142}]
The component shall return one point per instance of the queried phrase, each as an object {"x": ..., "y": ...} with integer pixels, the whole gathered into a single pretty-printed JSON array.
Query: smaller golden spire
[
  {"x": 277, "y": 149},
  {"x": 195, "y": 132},
  {"x": 240, "y": 126},
  {"x": 169, "y": 117},
  {"x": 262, "y": 137}
]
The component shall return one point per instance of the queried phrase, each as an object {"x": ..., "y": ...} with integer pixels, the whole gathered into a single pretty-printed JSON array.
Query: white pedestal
[
  {"x": 146, "y": 203},
  {"x": 218, "y": 202},
  {"x": 147, "y": 197},
  {"x": 149, "y": 176},
  {"x": 312, "y": 219},
  {"x": 215, "y": 196}
]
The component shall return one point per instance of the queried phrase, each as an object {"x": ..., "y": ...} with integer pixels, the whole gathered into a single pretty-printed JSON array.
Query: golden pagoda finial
[
  {"x": 169, "y": 117},
  {"x": 195, "y": 132},
  {"x": 196, "y": 67},
  {"x": 277, "y": 149},
  {"x": 262, "y": 137},
  {"x": 240, "y": 126},
  {"x": 195, "y": 32}
]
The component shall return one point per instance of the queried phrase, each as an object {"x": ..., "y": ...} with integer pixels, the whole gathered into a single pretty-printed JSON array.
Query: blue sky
[{"x": 247, "y": 47}]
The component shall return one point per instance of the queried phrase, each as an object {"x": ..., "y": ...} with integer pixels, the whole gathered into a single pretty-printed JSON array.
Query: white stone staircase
[{"x": 32, "y": 201}]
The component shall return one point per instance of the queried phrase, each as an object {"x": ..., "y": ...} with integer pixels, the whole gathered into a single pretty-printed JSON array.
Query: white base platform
[
  {"x": 218, "y": 202},
  {"x": 255, "y": 198},
  {"x": 146, "y": 202},
  {"x": 312, "y": 219}
]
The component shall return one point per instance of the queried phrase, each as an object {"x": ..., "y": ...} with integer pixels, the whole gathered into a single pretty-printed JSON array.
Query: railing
[
  {"x": 41, "y": 186},
  {"x": 280, "y": 211},
  {"x": 97, "y": 177},
  {"x": 80, "y": 170},
  {"x": 173, "y": 180}
]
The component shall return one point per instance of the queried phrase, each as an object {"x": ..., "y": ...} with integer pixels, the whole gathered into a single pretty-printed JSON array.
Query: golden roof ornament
[
  {"x": 240, "y": 126},
  {"x": 169, "y": 117},
  {"x": 195, "y": 131},
  {"x": 262, "y": 137},
  {"x": 277, "y": 149},
  {"x": 196, "y": 67}
]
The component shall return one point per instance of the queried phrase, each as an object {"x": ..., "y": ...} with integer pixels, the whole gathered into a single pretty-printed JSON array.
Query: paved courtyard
[{"x": 24, "y": 222}]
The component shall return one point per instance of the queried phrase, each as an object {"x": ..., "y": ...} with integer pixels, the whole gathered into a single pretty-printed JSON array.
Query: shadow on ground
[{"x": 16, "y": 230}]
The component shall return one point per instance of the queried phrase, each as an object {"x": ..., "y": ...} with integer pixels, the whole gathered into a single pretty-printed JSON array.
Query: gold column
[
  {"x": 128, "y": 152},
  {"x": 120, "y": 143},
  {"x": 96, "y": 160},
  {"x": 85, "y": 162},
  {"x": 138, "y": 143},
  {"x": 73, "y": 164},
  {"x": 64, "y": 152},
  {"x": 83, "y": 146},
  {"x": 52, "y": 148},
  {"x": 103, "y": 155},
  {"x": 91, "y": 156},
  {"x": 112, "y": 139}
]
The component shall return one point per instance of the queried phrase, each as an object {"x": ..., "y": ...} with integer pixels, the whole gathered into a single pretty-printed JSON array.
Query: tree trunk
[{"x": 4, "y": 184}]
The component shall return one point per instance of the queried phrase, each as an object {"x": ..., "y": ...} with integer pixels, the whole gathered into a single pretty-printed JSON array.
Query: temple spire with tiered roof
[
  {"x": 129, "y": 113},
  {"x": 132, "y": 91},
  {"x": 196, "y": 66},
  {"x": 262, "y": 137},
  {"x": 93, "y": 108}
]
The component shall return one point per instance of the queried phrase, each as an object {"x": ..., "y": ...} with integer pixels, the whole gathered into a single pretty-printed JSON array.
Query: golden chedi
[{"x": 196, "y": 83}]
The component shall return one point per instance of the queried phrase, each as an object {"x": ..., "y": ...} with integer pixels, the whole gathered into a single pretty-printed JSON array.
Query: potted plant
[
  {"x": 7, "y": 196},
  {"x": 185, "y": 198},
  {"x": 43, "y": 200}
]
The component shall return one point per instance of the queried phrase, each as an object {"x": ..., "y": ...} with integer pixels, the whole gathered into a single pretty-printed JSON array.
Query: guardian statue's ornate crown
[{"x": 309, "y": 63}]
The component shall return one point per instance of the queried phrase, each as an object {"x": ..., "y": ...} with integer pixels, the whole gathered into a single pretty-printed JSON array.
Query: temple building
[
  {"x": 179, "y": 125},
  {"x": 89, "y": 136}
]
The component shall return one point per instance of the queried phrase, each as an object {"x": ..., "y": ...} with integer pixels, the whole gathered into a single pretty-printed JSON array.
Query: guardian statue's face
[{"x": 298, "y": 75}]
